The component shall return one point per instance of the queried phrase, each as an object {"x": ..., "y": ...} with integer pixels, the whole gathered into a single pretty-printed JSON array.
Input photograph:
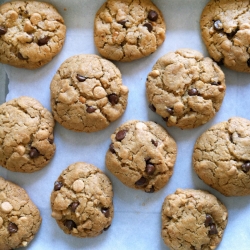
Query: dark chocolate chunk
[
  {"x": 113, "y": 99},
  {"x": 216, "y": 83},
  {"x": 141, "y": 182},
  {"x": 150, "y": 169},
  {"x": 193, "y": 92},
  {"x": 213, "y": 230},
  {"x": 246, "y": 167},
  {"x": 209, "y": 220},
  {"x": 152, "y": 190},
  {"x": 111, "y": 148},
  {"x": 43, "y": 41},
  {"x": 12, "y": 227},
  {"x": 123, "y": 23},
  {"x": 20, "y": 56},
  {"x": 57, "y": 185},
  {"x": 34, "y": 153},
  {"x": 74, "y": 205},
  {"x": 152, "y": 15},
  {"x": 152, "y": 107},
  {"x": 51, "y": 141},
  {"x": 218, "y": 25},
  {"x": 149, "y": 26},
  {"x": 170, "y": 111},
  {"x": 248, "y": 62},
  {"x": 3, "y": 30},
  {"x": 70, "y": 224},
  {"x": 121, "y": 135},
  {"x": 155, "y": 143},
  {"x": 81, "y": 78},
  {"x": 90, "y": 109},
  {"x": 105, "y": 211}
]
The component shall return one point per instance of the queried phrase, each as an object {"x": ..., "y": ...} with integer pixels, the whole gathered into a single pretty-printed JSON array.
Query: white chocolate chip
[
  {"x": 154, "y": 73},
  {"x": 24, "y": 243},
  {"x": 141, "y": 126},
  {"x": 57, "y": 215},
  {"x": 20, "y": 149},
  {"x": 99, "y": 92},
  {"x": 35, "y": 18},
  {"x": 78, "y": 186},
  {"x": 124, "y": 90},
  {"x": 6, "y": 207}
]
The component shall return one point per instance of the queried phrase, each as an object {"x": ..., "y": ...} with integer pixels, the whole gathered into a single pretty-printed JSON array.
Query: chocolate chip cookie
[
  {"x": 31, "y": 33},
  {"x": 81, "y": 201},
  {"x": 26, "y": 135},
  {"x": 87, "y": 93},
  {"x": 142, "y": 155},
  {"x": 225, "y": 29},
  {"x": 221, "y": 157},
  {"x": 185, "y": 88},
  {"x": 127, "y": 30},
  {"x": 193, "y": 219},
  {"x": 19, "y": 218}
]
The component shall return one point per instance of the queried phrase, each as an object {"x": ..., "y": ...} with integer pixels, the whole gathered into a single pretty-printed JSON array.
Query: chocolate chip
[
  {"x": 141, "y": 182},
  {"x": 74, "y": 205},
  {"x": 20, "y": 56},
  {"x": 70, "y": 224},
  {"x": 170, "y": 111},
  {"x": 155, "y": 143},
  {"x": 165, "y": 119},
  {"x": 105, "y": 211},
  {"x": 216, "y": 83},
  {"x": 113, "y": 99},
  {"x": 213, "y": 230},
  {"x": 150, "y": 169},
  {"x": 81, "y": 78},
  {"x": 147, "y": 159},
  {"x": 90, "y": 109},
  {"x": 51, "y": 141},
  {"x": 105, "y": 229},
  {"x": 218, "y": 25},
  {"x": 34, "y": 153},
  {"x": 152, "y": 15},
  {"x": 57, "y": 185},
  {"x": 152, "y": 107},
  {"x": 123, "y": 23},
  {"x": 209, "y": 220},
  {"x": 193, "y": 92},
  {"x": 111, "y": 148},
  {"x": 248, "y": 62},
  {"x": 121, "y": 135},
  {"x": 148, "y": 26},
  {"x": 152, "y": 190},
  {"x": 3, "y": 30},
  {"x": 12, "y": 227},
  {"x": 246, "y": 167},
  {"x": 43, "y": 41}
]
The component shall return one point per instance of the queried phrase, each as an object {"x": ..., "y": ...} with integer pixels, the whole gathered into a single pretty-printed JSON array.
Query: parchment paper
[{"x": 137, "y": 219}]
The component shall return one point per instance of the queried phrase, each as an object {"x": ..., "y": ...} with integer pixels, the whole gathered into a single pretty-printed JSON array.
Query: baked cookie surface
[
  {"x": 185, "y": 88},
  {"x": 193, "y": 219},
  {"x": 142, "y": 155},
  {"x": 127, "y": 30},
  {"x": 19, "y": 218},
  {"x": 221, "y": 157},
  {"x": 225, "y": 29},
  {"x": 81, "y": 201},
  {"x": 31, "y": 33},
  {"x": 87, "y": 93},
  {"x": 26, "y": 135}
]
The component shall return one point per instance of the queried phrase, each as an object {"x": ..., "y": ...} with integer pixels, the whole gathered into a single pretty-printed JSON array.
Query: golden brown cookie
[
  {"x": 19, "y": 218},
  {"x": 185, "y": 88},
  {"x": 81, "y": 201},
  {"x": 26, "y": 135},
  {"x": 87, "y": 93},
  {"x": 127, "y": 30},
  {"x": 31, "y": 33},
  {"x": 142, "y": 155},
  {"x": 225, "y": 29},
  {"x": 193, "y": 219},
  {"x": 221, "y": 157}
]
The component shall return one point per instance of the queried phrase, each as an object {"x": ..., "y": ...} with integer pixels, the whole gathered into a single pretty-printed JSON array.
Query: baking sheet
[{"x": 137, "y": 218}]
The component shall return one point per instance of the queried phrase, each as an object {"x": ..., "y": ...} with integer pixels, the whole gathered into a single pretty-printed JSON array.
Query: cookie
[
  {"x": 185, "y": 88},
  {"x": 225, "y": 29},
  {"x": 193, "y": 219},
  {"x": 26, "y": 135},
  {"x": 81, "y": 201},
  {"x": 19, "y": 218},
  {"x": 126, "y": 30},
  {"x": 221, "y": 157},
  {"x": 31, "y": 33},
  {"x": 142, "y": 155},
  {"x": 87, "y": 93}
]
